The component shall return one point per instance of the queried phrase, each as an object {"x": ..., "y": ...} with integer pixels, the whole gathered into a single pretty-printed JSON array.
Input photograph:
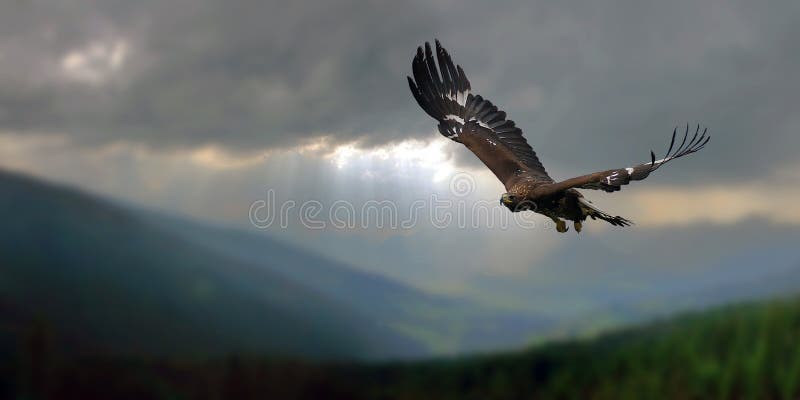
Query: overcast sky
[{"x": 203, "y": 106}]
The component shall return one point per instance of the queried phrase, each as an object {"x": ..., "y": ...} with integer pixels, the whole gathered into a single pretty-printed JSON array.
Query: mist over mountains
[
  {"x": 111, "y": 279},
  {"x": 116, "y": 279}
]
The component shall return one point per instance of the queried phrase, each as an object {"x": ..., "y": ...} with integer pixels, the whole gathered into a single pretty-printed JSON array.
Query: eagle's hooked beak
[{"x": 506, "y": 199}]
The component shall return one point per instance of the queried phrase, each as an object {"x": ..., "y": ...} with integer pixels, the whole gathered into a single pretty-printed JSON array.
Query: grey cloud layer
[{"x": 577, "y": 77}]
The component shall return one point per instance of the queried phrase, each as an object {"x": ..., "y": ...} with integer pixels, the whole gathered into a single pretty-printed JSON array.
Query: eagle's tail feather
[{"x": 593, "y": 212}]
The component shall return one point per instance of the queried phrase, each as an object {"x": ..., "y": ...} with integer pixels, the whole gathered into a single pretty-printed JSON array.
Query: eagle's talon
[
  {"x": 561, "y": 226},
  {"x": 578, "y": 226}
]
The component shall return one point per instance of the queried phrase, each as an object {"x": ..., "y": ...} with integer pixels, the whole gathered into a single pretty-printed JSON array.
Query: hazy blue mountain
[
  {"x": 443, "y": 324},
  {"x": 108, "y": 280},
  {"x": 115, "y": 278}
]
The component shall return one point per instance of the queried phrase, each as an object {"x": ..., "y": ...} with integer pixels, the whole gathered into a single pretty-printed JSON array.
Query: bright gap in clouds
[
  {"x": 412, "y": 168},
  {"x": 405, "y": 157}
]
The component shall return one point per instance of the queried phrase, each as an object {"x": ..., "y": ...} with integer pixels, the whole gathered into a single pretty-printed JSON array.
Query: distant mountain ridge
[
  {"x": 148, "y": 282},
  {"x": 114, "y": 278},
  {"x": 85, "y": 265}
]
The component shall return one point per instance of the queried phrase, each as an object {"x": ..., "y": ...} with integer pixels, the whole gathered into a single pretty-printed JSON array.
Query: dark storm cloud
[
  {"x": 590, "y": 83},
  {"x": 610, "y": 81},
  {"x": 239, "y": 73}
]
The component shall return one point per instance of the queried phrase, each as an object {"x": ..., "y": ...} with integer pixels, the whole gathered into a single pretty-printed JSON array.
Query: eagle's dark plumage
[{"x": 444, "y": 93}]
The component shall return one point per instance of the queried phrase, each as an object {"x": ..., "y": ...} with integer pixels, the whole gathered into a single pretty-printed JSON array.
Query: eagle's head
[{"x": 516, "y": 202}]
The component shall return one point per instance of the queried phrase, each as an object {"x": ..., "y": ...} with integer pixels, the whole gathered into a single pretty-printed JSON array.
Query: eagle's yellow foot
[
  {"x": 561, "y": 226},
  {"x": 578, "y": 226}
]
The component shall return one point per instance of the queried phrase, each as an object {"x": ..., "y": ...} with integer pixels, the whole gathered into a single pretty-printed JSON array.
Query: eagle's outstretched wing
[
  {"x": 469, "y": 119},
  {"x": 612, "y": 180}
]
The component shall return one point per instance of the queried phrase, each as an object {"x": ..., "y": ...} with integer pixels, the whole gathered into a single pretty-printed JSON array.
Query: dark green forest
[{"x": 747, "y": 351}]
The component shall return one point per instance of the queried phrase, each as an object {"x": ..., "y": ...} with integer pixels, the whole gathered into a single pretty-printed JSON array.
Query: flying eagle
[{"x": 445, "y": 94}]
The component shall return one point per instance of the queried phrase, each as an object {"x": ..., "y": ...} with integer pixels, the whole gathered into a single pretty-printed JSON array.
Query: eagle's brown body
[{"x": 445, "y": 94}]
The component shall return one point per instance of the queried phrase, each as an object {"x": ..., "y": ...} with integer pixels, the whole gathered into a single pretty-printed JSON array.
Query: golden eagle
[{"x": 444, "y": 93}]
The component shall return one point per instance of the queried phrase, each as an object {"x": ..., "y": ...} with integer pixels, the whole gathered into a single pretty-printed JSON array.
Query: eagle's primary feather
[
  {"x": 444, "y": 93},
  {"x": 448, "y": 99}
]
